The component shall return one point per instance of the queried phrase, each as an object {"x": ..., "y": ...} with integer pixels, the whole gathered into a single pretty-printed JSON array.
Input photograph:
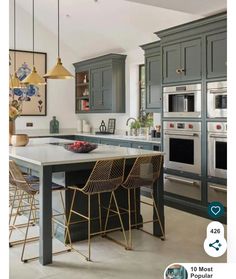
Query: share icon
[{"x": 216, "y": 245}]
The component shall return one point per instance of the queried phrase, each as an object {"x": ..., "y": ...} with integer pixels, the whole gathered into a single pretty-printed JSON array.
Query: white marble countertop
[
  {"x": 39, "y": 151},
  {"x": 68, "y": 132}
]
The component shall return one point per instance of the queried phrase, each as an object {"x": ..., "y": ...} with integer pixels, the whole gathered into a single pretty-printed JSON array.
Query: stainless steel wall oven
[
  {"x": 217, "y": 149},
  {"x": 182, "y": 101},
  {"x": 182, "y": 146},
  {"x": 217, "y": 99}
]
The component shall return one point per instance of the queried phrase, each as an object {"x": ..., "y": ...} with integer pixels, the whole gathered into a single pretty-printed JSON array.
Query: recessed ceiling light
[{"x": 67, "y": 15}]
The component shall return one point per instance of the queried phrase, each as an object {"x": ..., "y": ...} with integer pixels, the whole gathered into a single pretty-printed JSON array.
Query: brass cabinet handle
[
  {"x": 182, "y": 70},
  {"x": 178, "y": 71}
]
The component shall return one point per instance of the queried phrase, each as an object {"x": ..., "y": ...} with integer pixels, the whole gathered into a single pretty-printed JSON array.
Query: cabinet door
[
  {"x": 191, "y": 66},
  {"x": 217, "y": 55},
  {"x": 140, "y": 145},
  {"x": 101, "y": 88},
  {"x": 171, "y": 63},
  {"x": 106, "y": 88},
  {"x": 154, "y": 92}
]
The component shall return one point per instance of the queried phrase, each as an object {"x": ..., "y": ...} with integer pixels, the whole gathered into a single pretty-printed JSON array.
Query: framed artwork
[{"x": 34, "y": 98}]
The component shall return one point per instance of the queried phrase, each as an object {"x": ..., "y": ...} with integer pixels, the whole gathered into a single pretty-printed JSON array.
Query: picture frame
[{"x": 34, "y": 98}]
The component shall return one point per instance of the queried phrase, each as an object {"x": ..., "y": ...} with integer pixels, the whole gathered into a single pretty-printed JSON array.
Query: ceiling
[
  {"x": 197, "y": 7},
  {"x": 92, "y": 28}
]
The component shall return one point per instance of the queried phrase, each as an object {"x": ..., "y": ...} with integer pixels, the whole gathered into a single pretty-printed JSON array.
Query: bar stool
[
  {"x": 144, "y": 172},
  {"x": 105, "y": 177},
  {"x": 27, "y": 188}
]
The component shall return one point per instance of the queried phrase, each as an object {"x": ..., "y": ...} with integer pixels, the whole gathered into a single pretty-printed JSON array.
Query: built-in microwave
[
  {"x": 182, "y": 101},
  {"x": 217, "y": 99}
]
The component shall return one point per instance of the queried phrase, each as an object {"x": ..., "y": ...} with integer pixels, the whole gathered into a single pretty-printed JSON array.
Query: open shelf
[{"x": 82, "y": 91}]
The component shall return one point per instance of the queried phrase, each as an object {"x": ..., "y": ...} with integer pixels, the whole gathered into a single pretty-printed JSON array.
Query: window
[{"x": 142, "y": 88}]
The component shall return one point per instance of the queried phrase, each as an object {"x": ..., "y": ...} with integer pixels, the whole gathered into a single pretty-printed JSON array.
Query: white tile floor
[{"x": 185, "y": 234}]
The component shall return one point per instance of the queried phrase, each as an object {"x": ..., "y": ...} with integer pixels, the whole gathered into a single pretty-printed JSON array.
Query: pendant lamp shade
[
  {"x": 14, "y": 81},
  {"x": 58, "y": 71},
  {"x": 33, "y": 78}
]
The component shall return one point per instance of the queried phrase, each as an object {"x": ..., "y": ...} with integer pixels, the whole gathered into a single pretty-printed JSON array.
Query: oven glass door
[
  {"x": 183, "y": 152},
  {"x": 217, "y": 157}
]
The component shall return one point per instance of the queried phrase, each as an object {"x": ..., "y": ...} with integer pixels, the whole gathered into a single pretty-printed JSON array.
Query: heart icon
[{"x": 215, "y": 209}]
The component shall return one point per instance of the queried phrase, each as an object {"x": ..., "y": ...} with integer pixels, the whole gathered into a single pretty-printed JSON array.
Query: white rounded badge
[{"x": 215, "y": 244}]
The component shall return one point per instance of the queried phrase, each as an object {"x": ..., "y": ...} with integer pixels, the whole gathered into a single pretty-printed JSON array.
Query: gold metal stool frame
[
  {"x": 105, "y": 177},
  {"x": 25, "y": 188},
  {"x": 144, "y": 172}
]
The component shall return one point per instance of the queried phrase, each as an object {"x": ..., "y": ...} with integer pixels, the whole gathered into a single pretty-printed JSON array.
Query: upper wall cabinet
[
  {"x": 195, "y": 50},
  {"x": 182, "y": 61},
  {"x": 153, "y": 77},
  {"x": 100, "y": 84},
  {"x": 217, "y": 55}
]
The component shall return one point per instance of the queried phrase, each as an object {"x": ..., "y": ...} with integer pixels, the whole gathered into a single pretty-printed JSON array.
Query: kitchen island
[{"x": 47, "y": 156}]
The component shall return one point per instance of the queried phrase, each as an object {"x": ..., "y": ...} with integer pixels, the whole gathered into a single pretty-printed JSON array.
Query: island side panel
[{"x": 45, "y": 215}]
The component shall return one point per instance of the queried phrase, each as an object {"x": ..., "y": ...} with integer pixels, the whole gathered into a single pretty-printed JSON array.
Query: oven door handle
[
  {"x": 185, "y": 181},
  {"x": 184, "y": 135},
  {"x": 218, "y": 136},
  {"x": 218, "y": 189},
  {"x": 218, "y": 91}
]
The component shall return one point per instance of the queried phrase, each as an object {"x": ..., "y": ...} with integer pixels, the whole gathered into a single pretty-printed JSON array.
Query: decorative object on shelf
[
  {"x": 102, "y": 127},
  {"x": 58, "y": 71},
  {"x": 33, "y": 96},
  {"x": 19, "y": 139},
  {"x": 54, "y": 125},
  {"x": 85, "y": 79},
  {"x": 34, "y": 78},
  {"x": 86, "y": 92},
  {"x": 14, "y": 80},
  {"x": 80, "y": 147}
]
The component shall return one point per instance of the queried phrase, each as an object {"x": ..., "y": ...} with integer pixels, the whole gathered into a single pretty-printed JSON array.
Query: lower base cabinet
[
  {"x": 181, "y": 186},
  {"x": 217, "y": 192}
]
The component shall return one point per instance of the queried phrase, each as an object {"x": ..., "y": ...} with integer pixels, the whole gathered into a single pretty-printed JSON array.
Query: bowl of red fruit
[{"x": 80, "y": 146}]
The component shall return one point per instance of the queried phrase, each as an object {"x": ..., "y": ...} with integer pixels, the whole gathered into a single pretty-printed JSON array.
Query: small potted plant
[{"x": 135, "y": 128}]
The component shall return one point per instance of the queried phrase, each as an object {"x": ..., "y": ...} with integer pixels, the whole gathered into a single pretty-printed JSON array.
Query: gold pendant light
[
  {"x": 14, "y": 81},
  {"x": 34, "y": 78},
  {"x": 58, "y": 71}
]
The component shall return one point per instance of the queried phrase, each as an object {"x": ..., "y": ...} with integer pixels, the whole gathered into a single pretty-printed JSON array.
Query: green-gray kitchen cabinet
[
  {"x": 153, "y": 77},
  {"x": 106, "y": 84},
  {"x": 217, "y": 55},
  {"x": 101, "y": 89},
  {"x": 182, "y": 61},
  {"x": 141, "y": 145}
]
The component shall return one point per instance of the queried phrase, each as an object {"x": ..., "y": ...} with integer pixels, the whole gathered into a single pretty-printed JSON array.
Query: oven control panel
[
  {"x": 185, "y": 126},
  {"x": 217, "y": 127}
]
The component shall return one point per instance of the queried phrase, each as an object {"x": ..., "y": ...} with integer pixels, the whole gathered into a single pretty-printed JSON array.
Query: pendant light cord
[
  {"x": 33, "y": 30},
  {"x": 58, "y": 29},
  {"x": 14, "y": 35}
]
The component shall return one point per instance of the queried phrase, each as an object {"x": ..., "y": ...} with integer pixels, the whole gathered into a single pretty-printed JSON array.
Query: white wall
[
  {"x": 60, "y": 93},
  {"x": 134, "y": 58}
]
